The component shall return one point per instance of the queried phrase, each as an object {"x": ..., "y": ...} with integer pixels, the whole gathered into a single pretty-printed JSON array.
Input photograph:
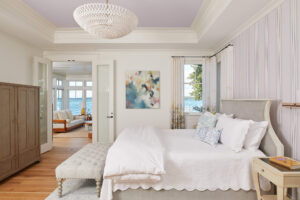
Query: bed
[{"x": 257, "y": 110}]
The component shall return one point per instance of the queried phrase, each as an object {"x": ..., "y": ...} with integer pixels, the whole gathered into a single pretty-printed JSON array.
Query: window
[
  {"x": 59, "y": 97},
  {"x": 75, "y": 83},
  {"x": 89, "y": 84},
  {"x": 59, "y": 83},
  {"x": 75, "y": 101},
  {"x": 89, "y": 96},
  {"x": 192, "y": 88}
]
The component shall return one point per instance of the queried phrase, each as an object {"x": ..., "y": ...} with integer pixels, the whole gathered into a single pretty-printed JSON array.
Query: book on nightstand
[{"x": 286, "y": 162}]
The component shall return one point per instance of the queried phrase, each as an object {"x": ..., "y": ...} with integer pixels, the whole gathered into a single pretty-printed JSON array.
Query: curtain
[
  {"x": 178, "y": 121},
  {"x": 227, "y": 73},
  {"x": 209, "y": 83}
]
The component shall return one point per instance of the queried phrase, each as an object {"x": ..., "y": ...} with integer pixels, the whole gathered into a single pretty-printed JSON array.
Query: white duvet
[
  {"x": 136, "y": 157},
  {"x": 193, "y": 165}
]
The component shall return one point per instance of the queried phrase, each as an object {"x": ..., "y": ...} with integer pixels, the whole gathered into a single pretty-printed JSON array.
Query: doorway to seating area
[{"x": 72, "y": 99}]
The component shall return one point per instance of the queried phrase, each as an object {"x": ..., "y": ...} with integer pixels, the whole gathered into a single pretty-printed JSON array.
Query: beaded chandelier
[{"x": 105, "y": 20}]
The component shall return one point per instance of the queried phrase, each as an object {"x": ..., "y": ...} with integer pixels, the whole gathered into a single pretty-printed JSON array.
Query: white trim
[
  {"x": 141, "y": 36},
  {"x": 208, "y": 14},
  {"x": 262, "y": 13},
  {"x": 80, "y": 57},
  {"x": 25, "y": 20}
]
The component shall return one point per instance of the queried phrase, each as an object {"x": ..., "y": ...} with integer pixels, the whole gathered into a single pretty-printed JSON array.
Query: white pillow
[
  {"x": 62, "y": 115},
  {"x": 256, "y": 132},
  {"x": 234, "y": 132},
  {"x": 224, "y": 115}
]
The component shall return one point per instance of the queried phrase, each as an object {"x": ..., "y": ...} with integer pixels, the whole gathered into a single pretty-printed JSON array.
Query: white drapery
[
  {"x": 227, "y": 73},
  {"x": 177, "y": 93},
  {"x": 209, "y": 83}
]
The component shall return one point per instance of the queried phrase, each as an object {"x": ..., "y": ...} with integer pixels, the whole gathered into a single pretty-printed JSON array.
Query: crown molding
[
  {"x": 207, "y": 15},
  {"x": 259, "y": 15},
  {"x": 22, "y": 19},
  {"x": 62, "y": 55},
  {"x": 138, "y": 36}
]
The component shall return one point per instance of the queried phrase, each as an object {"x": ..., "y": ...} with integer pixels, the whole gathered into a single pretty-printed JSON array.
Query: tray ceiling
[{"x": 151, "y": 13}]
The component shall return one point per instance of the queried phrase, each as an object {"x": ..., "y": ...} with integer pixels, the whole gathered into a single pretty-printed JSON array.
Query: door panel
[
  {"x": 7, "y": 130},
  {"x": 31, "y": 118},
  {"x": 28, "y": 134},
  {"x": 22, "y": 119},
  {"x": 42, "y": 77},
  {"x": 103, "y": 102}
]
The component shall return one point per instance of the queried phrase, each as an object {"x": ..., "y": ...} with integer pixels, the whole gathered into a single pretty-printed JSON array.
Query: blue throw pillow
[
  {"x": 207, "y": 120},
  {"x": 209, "y": 135}
]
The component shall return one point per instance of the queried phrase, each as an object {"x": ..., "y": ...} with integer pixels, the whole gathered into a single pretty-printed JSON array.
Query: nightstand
[{"x": 282, "y": 177}]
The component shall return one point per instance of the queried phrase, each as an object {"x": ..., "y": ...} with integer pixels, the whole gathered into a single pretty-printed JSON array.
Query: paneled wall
[{"x": 267, "y": 66}]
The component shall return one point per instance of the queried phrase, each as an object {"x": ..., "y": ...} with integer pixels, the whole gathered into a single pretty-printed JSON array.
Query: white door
[
  {"x": 42, "y": 77},
  {"x": 103, "y": 102}
]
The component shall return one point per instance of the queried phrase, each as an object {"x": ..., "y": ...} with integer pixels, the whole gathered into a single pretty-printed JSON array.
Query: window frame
[
  {"x": 83, "y": 88},
  {"x": 192, "y": 61}
]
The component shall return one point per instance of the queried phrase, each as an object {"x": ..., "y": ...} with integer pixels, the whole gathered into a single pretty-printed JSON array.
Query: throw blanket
[{"x": 135, "y": 157}]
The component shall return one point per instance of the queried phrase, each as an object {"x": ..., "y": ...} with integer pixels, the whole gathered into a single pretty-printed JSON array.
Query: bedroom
[{"x": 261, "y": 61}]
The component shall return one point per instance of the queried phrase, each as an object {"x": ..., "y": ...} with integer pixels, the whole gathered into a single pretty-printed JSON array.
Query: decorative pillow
[
  {"x": 69, "y": 114},
  {"x": 224, "y": 115},
  {"x": 234, "y": 132},
  {"x": 256, "y": 132},
  {"x": 62, "y": 115},
  {"x": 55, "y": 115},
  {"x": 209, "y": 135},
  {"x": 207, "y": 120}
]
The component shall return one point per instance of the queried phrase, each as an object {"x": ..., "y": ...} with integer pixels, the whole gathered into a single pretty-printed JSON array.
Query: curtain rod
[
  {"x": 229, "y": 45},
  {"x": 206, "y": 56}
]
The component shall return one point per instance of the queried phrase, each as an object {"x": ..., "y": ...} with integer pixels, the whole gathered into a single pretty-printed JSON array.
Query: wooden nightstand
[{"x": 282, "y": 177}]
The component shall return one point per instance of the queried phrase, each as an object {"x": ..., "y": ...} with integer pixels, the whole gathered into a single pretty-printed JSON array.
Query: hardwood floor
[{"x": 38, "y": 181}]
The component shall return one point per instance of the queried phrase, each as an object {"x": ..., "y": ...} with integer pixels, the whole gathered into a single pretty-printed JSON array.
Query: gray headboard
[{"x": 257, "y": 110}]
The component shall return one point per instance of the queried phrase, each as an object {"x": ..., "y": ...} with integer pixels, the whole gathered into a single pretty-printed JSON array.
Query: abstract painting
[{"x": 142, "y": 89}]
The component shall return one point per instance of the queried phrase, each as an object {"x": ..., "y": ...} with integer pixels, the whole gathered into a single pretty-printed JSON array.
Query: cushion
[
  {"x": 55, "y": 115},
  {"x": 209, "y": 135},
  {"x": 87, "y": 163},
  {"x": 256, "y": 132},
  {"x": 207, "y": 120},
  {"x": 62, "y": 115},
  {"x": 234, "y": 132},
  {"x": 69, "y": 114},
  {"x": 224, "y": 115}
]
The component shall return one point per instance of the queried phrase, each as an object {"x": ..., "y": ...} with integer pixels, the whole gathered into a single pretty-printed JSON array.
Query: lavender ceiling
[{"x": 151, "y": 13}]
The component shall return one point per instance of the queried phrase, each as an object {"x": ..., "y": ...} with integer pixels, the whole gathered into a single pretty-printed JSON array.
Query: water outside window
[
  {"x": 89, "y": 96},
  {"x": 192, "y": 88},
  {"x": 75, "y": 101}
]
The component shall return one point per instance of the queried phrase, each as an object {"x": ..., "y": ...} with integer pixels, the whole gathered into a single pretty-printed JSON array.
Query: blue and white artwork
[{"x": 142, "y": 89}]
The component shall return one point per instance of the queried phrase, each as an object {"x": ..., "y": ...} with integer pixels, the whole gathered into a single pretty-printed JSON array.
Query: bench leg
[
  {"x": 98, "y": 187},
  {"x": 59, "y": 181}
]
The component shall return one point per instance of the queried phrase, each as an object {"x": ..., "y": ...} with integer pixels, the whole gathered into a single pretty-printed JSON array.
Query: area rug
[
  {"x": 78, "y": 189},
  {"x": 77, "y": 133}
]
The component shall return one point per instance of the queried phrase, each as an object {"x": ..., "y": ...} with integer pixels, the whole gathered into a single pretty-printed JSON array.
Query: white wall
[
  {"x": 16, "y": 60},
  {"x": 132, "y": 117}
]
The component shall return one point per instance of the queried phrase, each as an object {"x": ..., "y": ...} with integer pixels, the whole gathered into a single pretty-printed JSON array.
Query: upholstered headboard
[{"x": 257, "y": 110}]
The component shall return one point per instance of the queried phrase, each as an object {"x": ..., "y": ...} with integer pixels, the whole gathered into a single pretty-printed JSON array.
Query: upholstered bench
[{"x": 87, "y": 163}]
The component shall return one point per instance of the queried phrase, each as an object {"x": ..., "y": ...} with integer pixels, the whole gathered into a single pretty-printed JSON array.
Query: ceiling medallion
[{"x": 105, "y": 20}]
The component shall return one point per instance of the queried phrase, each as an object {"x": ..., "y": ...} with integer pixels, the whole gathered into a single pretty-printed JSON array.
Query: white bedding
[
  {"x": 136, "y": 157},
  {"x": 193, "y": 165}
]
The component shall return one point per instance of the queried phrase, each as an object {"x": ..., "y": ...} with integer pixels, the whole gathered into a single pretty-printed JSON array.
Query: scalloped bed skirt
[{"x": 151, "y": 194}]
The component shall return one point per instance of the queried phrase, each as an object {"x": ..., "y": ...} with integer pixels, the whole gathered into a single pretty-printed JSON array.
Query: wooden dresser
[{"x": 19, "y": 127}]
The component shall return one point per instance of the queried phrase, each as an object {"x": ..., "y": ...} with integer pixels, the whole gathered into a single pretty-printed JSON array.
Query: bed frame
[{"x": 257, "y": 110}]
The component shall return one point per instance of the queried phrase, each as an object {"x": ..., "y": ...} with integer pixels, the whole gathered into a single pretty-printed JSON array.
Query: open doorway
[{"x": 72, "y": 99}]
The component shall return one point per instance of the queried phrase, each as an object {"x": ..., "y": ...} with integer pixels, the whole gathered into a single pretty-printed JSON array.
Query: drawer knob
[{"x": 262, "y": 170}]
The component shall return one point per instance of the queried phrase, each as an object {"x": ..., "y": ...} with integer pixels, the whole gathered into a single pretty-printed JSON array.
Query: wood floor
[{"x": 38, "y": 181}]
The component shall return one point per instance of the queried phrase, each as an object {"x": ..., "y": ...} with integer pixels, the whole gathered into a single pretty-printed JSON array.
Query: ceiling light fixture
[{"x": 105, "y": 20}]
